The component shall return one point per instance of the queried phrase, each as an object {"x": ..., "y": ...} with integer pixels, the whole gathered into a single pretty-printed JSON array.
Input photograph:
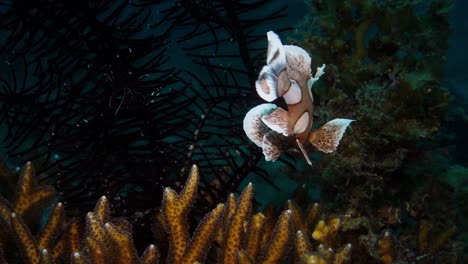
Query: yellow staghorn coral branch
[
  {"x": 41, "y": 196},
  {"x": 229, "y": 210},
  {"x": 58, "y": 253},
  {"x": 242, "y": 257},
  {"x": 311, "y": 216},
  {"x": 95, "y": 250},
  {"x": 102, "y": 209},
  {"x": 423, "y": 235},
  {"x": 95, "y": 229},
  {"x": 269, "y": 224},
  {"x": 297, "y": 215},
  {"x": 45, "y": 257},
  {"x": 28, "y": 195},
  {"x": 386, "y": 248},
  {"x": 326, "y": 252},
  {"x": 175, "y": 209},
  {"x": 122, "y": 224},
  {"x": 150, "y": 256},
  {"x": 122, "y": 243},
  {"x": 235, "y": 227},
  {"x": 203, "y": 236},
  {"x": 25, "y": 240},
  {"x": 326, "y": 232},
  {"x": 257, "y": 228},
  {"x": 313, "y": 258},
  {"x": 5, "y": 213},
  {"x": 24, "y": 187},
  {"x": 79, "y": 258},
  {"x": 69, "y": 242},
  {"x": 343, "y": 256},
  {"x": 303, "y": 245},
  {"x": 52, "y": 228},
  {"x": 75, "y": 236},
  {"x": 281, "y": 240},
  {"x": 189, "y": 192}
]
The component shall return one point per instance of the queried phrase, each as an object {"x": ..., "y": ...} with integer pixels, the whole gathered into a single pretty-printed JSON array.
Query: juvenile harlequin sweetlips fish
[{"x": 276, "y": 130}]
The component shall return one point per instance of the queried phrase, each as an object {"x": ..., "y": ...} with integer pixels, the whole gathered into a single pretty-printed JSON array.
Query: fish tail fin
[{"x": 328, "y": 136}]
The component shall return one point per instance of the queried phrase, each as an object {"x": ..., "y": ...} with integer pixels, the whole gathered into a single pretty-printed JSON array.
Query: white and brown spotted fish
[{"x": 276, "y": 130}]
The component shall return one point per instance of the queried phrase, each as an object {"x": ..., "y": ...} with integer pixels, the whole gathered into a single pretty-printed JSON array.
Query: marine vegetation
[
  {"x": 385, "y": 69},
  {"x": 383, "y": 73},
  {"x": 387, "y": 75}
]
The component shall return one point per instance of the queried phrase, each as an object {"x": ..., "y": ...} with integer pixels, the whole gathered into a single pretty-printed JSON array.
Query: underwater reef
[
  {"x": 120, "y": 98},
  {"x": 231, "y": 233},
  {"x": 115, "y": 101}
]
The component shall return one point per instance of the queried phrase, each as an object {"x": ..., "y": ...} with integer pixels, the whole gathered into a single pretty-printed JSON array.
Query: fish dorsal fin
[
  {"x": 278, "y": 120},
  {"x": 298, "y": 63},
  {"x": 328, "y": 136}
]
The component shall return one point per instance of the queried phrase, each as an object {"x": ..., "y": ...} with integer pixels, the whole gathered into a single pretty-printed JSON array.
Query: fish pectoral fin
[
  {"x": 253, "y": 125},
  {"x": 320, "y": 71},
  {"x": 328, "y": 136},
  {"x": 278, "y": 120}
]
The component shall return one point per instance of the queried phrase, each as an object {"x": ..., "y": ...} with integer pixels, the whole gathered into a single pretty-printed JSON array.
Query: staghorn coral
[
  {"x": 175, "y": 208},
  {"x": 103, "y": 239},
  {"x": 231, "y": 230}
]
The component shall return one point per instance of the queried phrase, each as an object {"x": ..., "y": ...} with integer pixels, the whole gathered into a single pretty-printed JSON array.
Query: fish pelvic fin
[
  {"x": 327, "y": 137},
  {"x": 304, "y": 152},
  {"x": 274, "y": 144}
]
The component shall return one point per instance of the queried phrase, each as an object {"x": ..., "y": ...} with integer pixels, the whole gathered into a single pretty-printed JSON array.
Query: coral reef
[
  {"x": 230, "y": 233},
  {"x": 109, "y": 240},
  {"x": 86, "y": 89}
]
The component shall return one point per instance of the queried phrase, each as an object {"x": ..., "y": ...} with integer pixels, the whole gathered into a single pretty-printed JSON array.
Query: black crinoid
[{"x": 120, "y": 98}]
